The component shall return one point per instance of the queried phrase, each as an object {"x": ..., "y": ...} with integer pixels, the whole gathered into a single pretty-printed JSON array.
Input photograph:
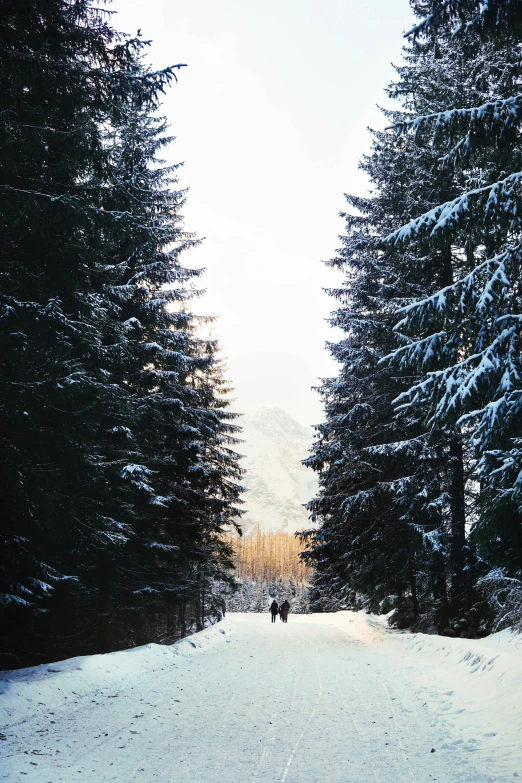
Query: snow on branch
[
  {"x": 458, "y": 17},
  {"x": 481, "y": 365},
  {"x": 163, "y": 547},
  {"x": 438, "y": 301},
  {"x": 434, "y": 538},
  {"x": 460, "y": 381},
  {"x": 403, "y": 447},
  {"x": 448, "y": 215},
  {"x": 134, "y": 470},
  {"x": 137, "y": 475},
  {"x": 496, "y": 117},
  {"x": 443, "y": 119},
  {"x": 505, "y": 596},
  {"x": 422, "y": 350},
  {"x": 420, "y": 27}
]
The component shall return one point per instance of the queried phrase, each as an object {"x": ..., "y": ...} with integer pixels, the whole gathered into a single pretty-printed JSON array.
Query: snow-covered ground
[{"x": 334, "y": 697}]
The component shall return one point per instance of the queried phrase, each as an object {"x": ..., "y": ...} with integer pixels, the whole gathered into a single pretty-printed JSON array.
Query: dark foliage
[
  {"x": 418, "y": 457},
  {"x": 116, "y": 444}
]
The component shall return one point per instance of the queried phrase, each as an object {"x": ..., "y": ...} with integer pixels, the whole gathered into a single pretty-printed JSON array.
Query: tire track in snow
[
  {"x": 399, "y": 738},
  {"x": 269, "y": 742},
  {"x": 310, "y": 719},
  {"x": 291, "y": 708},
  {"x": 355, "y": 645}
]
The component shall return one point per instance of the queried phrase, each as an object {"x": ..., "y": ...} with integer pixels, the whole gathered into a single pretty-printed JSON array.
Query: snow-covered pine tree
[
  {"x": 392, "y": 499},
  {"x": 463, "y": 341},
  {"x": 118, "y": 467},
  {"x": 61, "y": 62},
  {"x": 184, "y": 470},
  {"x": 485, "y": 17},
  {"x": 218, "y": 475},
  {"x": 363, "y": 545}
]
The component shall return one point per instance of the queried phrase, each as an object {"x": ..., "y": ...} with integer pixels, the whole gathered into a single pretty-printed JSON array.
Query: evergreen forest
[
  {"x": 420, "y": 456},
  {"x": 119, "y": 444},
  {"x": 117, "y": 447}
]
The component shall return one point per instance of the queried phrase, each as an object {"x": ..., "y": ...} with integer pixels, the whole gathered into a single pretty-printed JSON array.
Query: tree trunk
[
  {"x": 103, "y": 641},
  {"x": 170, "y": 630},
  {"x": 458, "y": 506},
  {"x": 413, "y": 587},
  {"x": 458, "y": 523},
  {"x": 182, "y": 621},
  {"x": 440, "y": 591},
  {"x": 198, "y": 612}
]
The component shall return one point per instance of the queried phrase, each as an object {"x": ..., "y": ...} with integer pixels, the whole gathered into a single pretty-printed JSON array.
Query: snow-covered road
[{"x": 335, "y": 698}]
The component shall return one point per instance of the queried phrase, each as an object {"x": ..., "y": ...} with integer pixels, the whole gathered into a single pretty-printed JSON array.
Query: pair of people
[
  {"x": 282, "y": 610},
  {"x": 221, "y": 610}
]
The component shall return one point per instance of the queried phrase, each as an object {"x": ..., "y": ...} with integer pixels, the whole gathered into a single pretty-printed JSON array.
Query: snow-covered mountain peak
[
  {"x": 278, "y": 485},
  {"x": 275, "y": 422}
]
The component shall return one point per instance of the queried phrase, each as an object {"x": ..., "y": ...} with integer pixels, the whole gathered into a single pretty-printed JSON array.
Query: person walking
[
  {"x": 285, "y": 608},
  {"x": 274, "y": 608}
]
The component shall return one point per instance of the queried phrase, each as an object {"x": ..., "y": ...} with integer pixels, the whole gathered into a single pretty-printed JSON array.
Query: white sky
[{"x": 270, "y": 120}]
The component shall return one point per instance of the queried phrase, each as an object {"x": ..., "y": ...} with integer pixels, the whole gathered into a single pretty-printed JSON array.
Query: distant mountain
[{"x": 277, "y": 483}]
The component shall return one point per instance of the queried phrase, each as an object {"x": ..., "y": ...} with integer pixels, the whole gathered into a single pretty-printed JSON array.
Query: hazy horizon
[{"x": 270, "y": 119}]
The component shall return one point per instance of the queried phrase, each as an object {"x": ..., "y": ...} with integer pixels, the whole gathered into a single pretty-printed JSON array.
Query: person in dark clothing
[
  {"x": 285, "y": 608},
  {"x": 274, "y": 608}
]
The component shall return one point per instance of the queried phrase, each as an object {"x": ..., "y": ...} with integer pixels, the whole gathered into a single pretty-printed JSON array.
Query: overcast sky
[{"x": 270, "y": 120}]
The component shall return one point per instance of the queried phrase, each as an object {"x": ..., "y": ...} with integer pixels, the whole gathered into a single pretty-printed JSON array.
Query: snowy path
[{"x": 332, "y": 698}]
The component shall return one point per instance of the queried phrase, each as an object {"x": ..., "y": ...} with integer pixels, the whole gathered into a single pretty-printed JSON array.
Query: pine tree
[
  {"x": 486, "y": 17},
  {"x": 465, "y": 337},
  {"x": 392, "y": 506},
  {"x": 61, "y": 63},
  {"x": 363, "y": 545},
  {"x": 117, "y": 441},
  {"x": 184, "y": 472}
]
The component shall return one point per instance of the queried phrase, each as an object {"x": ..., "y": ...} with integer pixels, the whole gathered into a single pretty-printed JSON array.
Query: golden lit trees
[{"x": 269, "y": 556}]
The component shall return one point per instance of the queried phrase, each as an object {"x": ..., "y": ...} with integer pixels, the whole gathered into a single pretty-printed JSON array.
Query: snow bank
[
  {"x": 477, "y": 683},
  {"x": 56, "y": 684}
]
